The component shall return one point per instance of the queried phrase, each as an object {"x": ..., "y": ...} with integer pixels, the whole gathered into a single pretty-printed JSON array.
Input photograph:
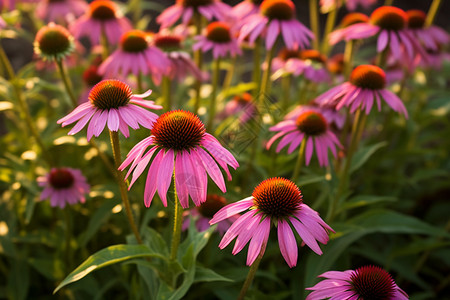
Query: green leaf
[
  {"x": 207, "y": 275},
  {"x": 363, "y": 154},
  {"x": 105, "y": 257},
  {"x": 364, "y": 200}
]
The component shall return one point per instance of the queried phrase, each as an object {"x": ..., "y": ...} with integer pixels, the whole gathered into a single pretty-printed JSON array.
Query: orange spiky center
[
  {"x": 416, "y": 18},
  {"x": 168, "y": 42},
  {"x": 178, "y": 130},
  {"x": 311, "y": 123},
  {"x": 61, "y": 178},
  {"x": 110, "y": 93},
  {"x": 313, "y": 55},
  {"x": 277, "y": 197},
  {"x": 218, "y": 32},
  {"x": 368, "y": 77},
  {"x": 389, "y": 18},
  {"x": 286, "y": 54},
  {"x": 336, "y": 64},
  {"x": 354, "y": 18},
  {"x": 244, "y": 98},
  {"x": 372, "y": 283},
  {"x": 103, "y": 10},
  {"x": 53, "y": 39},
  {"x": 134, "y": 41},
  {"x": 278, "y": 9},
  {"x": 212, "y": 205}
]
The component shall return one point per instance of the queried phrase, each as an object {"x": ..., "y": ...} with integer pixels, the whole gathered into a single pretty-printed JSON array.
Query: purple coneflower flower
[
  {"x": 366, "y": 86},
  {"x": 309, "y": 63},
  {"x": 90, "y": 78},
  {"x": 432, "y": 37},
  {"x": 185, "y": 9},
  {"x": 349, "y": 19},
  {"x": 61, "y": 10},
  {"x": 330, "y": 114},
  {"x": 63, "y": 186},
  {"x": 203, "y": 214},
  {"x": 276, "y": 17},
  {"x": 53, "y": 42},
  {"x": 102, "y": 15},
  {"x": 241, "y": 107},
  {"x": 279, "y": 202},
  {"x": 111, "y": 101},
  {"x": 312, "y": 127},
  {"x": 389, "y": 23},
  {"x": 181, "y": 63},
  {"x": 218, "y": 38},
  {"x": 368, "y": 282},
  {"x": 136, "y": 56},
  {"x": 183, "y": 148}
]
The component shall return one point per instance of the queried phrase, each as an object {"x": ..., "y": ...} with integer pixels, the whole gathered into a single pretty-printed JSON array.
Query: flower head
[
  {"x": 102, "y": 15},
  {"x": 53, "y": 42},
  {"x": 183, "y": 148},
  {"x": 310, "y": 126},
  {"x": 181, "y": 63},
  {"x": 202, "y": 214},
  {"x": 63, "y": 186},
  {"x": 344, "y": 27},
  {"x": 366, "y": 86},
  {"x": 240, "y": 106},
  {"x": 278, "y": 202},
  {"x": 136, "y": 56},
  {"x": 185, "y": 10},
  {"x": 111, "y": 101},
  {"x": 276, "y": 17},
  {"x": 432, "y": 37},
  {"x": 220, "y": 39},
  {"x": 367, "y": 282}
]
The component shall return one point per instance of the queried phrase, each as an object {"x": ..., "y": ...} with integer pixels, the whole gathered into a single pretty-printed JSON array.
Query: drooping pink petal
[
  {"x": 288, "y": 245},
  {"x": 231, "y": 210},
  {"x": 259, "y": 239},
  {"x": 164, "y": 178}
]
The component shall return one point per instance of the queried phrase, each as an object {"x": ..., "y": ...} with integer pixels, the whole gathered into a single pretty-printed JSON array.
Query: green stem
[
  {"x": 382, "y": 58},
  {"x": 177, "y": 222},
  {"x": 314, "y": 21},
  {"x": 286, "y": 87},
  {"x": 331, "y": 21},
  {"x": 139, "y": 83},
  {"x": 198, "y": 59},
  {"x": 105, "y": 43},
  {"x": 358, "y": 127},
  {"x": 212, "y": 103},
  {"x": 68, "y": 248},
  {"x": 265, "y": 83},
  {"x": 388, "y": 2},
  {"x": 256, "y": 74},
  {"x": 300, "y": 160},
  {"x": 66, "y": 81},
  {"x": 114, "y": 136},
  {"x": 348, "y": 58},
  {"x": 230, "y": 72},
  {"x": 250, "y": 276},
  {"x": 166, "y": 92},
  {"x": 23, "y": 106},
  {"x": 434, "y": 8}
]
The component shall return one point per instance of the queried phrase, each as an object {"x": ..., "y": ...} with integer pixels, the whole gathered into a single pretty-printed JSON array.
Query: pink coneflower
[
  {"x": 185, "y": 9},
  {"x": 368, "y": 282},
  {"x": 183, "y": 148},
  {"x": 432, "y": 36},
  {"x": 181, "y": 63},
  {"x": 218, "y": 38},
  {"x": 309, "y": 63},
  {"x": 136, "y": 56},
  {"x": 53, "y": 42},
  {"x": 63, "y": 186},
  {"x": 276, "y": 201},
  {"x": 389, "y": 23},
  {"x": 310, "y": 126},
  {"x": 330, "y": 114},
  {"x": 240, "y": 106},
  {"x": 349, "y": 19},
  {"x": 60, "y": 10},
  {"x": 366, "y": 86},
  {"x": 276, "y": 17},
  {"x": 203, "y": 214},
  {"x": 102, "y": 16},
  {"x": 7, "y": 5},
  {"x": 111, "y": 101}
]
